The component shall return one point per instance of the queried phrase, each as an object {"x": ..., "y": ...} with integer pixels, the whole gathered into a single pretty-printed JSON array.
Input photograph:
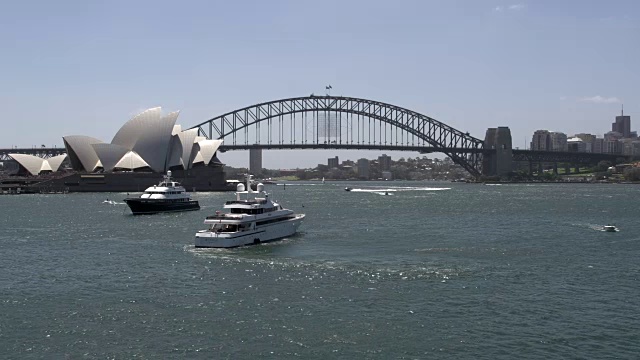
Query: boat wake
[
  {"x": 111, "y": 202},
  {"x": 382, "y": 191},
  {"x": 598, "y": 227},
  {"x": 371, "y": 274}
]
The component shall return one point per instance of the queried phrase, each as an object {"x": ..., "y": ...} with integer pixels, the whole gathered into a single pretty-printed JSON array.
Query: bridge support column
[
  {"x": 555, "y": 168},
  {"x": 530, "y": 167},
  {"x": 567, "y": 168},
  {"x": 577, "y": 168},
  {"x": 498, "y": 160},
  {"x": 540, "y": 169}
]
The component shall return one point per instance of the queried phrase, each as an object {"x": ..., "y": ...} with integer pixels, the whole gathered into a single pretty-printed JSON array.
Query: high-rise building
[
  {"x": 255, "y": 161},
  {"x": 385, "y": 162},
  {"x": 541, "y": 140},
  {"x": 363, "y": 169},
  {"x": 598, "y": 146},
  {"x": 558, "y": 141},
  {"x": 333, "y": 162},
  {"x": 589, "y": 141},
  {"x": 622, "y": 125},
  {"x": 575, "y": 144},
  {"x": 630, "y": 147},
  {"x": 611, "y": 146}
]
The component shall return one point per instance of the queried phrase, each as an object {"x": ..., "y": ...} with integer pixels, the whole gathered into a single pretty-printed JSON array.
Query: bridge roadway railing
[
  {"x": 330, "y": 146},
  {"x": 42, "y": 152}
]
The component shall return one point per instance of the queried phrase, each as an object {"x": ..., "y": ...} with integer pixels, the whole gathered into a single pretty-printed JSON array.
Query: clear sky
[{"x": 85, "y": 67}]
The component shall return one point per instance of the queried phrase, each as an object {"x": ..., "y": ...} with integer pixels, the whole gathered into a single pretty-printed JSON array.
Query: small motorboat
[
  {"x": 609, "y": 228},
  {"x": 348, "y": 189}
]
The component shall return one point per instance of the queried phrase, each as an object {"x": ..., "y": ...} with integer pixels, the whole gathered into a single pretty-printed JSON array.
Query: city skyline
[{"x": 79, "y": 68}]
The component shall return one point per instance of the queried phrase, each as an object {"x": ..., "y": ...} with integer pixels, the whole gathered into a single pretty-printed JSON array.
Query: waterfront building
[
  {"x": 387, "y": 175},
  {"x": 363, "y": 169},
  {"x": 598, "y": 145},
  {"x": 385, "y": 162},
  {"x": 541, "y": 140},
  {"x": 146, "y": 146},
  {"x": 255, "y": 161},
  {"x": 611, "y": 146},
  {"x": 589, "y": 141},
  {"x": 558, "y": 141},
  {"x": 622, "y": 125},
  {"x": 148, "y": 142},
  {"x": 35, "y": 165},
  {"x": 575, "y": 144},
  {"x": 613, "y": 135},
  {"x": 630, "y": 146},
  {"x": 333, "y": 162}
]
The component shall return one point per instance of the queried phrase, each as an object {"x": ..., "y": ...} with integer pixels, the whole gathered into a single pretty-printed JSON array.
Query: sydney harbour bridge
[{"x": 338, "y": 122}]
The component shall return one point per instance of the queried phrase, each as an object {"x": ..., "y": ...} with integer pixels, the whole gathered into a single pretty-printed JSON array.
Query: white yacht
[
  {"x": 252, "y": 220},
  {"x": 610, "y": 228},
  {"x": 167, "y": 196}
]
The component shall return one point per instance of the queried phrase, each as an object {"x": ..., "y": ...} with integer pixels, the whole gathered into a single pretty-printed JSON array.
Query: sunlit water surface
[{"x": 442, "y": 270}]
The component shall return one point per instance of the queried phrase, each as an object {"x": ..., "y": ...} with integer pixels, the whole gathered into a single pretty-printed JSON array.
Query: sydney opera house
[{"x": 143, "y": 148}]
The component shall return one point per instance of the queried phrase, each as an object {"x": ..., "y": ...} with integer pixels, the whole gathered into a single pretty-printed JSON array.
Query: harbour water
[{"x": 437, "y": 270}]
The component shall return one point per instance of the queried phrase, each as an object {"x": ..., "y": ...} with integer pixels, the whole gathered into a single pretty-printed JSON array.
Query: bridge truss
[
  {"x": 336, "y": 122},
  {"x": 42, "y": 152}
]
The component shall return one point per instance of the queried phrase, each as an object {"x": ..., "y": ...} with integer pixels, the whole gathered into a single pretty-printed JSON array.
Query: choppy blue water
[{"x": 473, "y": 271}]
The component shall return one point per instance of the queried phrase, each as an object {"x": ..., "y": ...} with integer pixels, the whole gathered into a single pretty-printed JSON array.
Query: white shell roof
[
  {"x": 175, "y": 154},
  {"x": 198, "y": 158},
  {"x": 32, "y": 163},
  {"x": 187, "y": 139},
  {"x": 131, "y": 161},
  {"x": 109, "y": 154},
  {"x": 35, "y": 164},
  {"x": 207, "y": 148},
  {"x": 56, "y": 161},
  {"x": 154, "y": 140},
  {"x": 146, "y": 140},
  {"x": 132, "y": 129},
  {"x": 79, "y": 146}
]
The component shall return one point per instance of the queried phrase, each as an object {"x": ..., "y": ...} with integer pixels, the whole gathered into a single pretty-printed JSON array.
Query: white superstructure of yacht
[
  {"x": 252, "y": 220},
  {"x": 167, "y": 196}
]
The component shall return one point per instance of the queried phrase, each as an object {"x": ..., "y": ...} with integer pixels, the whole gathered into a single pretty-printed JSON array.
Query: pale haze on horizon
[{"x": 85, "y": 67}]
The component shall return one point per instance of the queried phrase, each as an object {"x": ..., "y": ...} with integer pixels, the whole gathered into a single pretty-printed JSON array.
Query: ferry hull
[
  {"x": 143, "y": 206},
  {"x": 271, "y": 232}
]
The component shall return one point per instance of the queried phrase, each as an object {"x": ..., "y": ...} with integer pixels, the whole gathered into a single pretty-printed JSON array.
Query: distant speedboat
[
  {"x": 609, "y": 228},
  {"x": 167, "y": 196},
  {"x": 348, "y": 189}
]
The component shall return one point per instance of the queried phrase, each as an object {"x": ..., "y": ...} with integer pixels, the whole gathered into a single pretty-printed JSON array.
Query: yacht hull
[
  {"x": 266, "y": 233},
  {"x": 146, "y": 206}
]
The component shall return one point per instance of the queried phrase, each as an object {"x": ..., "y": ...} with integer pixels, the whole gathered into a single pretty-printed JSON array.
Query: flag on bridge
[{"x": 328, "y": 87}]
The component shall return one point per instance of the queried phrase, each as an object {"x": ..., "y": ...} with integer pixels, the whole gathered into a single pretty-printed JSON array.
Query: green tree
[
  {"x": 602, "y": 166},
  {"x": 632, "y": 174}
]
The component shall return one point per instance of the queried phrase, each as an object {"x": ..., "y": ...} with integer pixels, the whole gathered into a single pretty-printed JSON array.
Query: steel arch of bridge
[{"x": 337, "y": 122}]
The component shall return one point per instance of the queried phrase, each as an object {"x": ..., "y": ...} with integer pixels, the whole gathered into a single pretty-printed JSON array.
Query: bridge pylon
[{"x": 497, "y": 159}]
